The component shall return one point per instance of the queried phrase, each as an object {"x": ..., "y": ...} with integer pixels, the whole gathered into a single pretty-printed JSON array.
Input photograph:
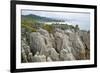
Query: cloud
[{"x": 82, "y": 19}]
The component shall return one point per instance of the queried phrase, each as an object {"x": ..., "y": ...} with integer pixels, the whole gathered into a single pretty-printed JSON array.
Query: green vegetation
[
  {"x": 76, "y": 28},
  {"x": 31, "y": 23},
  {"x": 32, "y": 26},
  {"x": 28, "y": 28},
  {"x": 63, "y": 26},
  {"x": 49, "y": 28},
  {"x": 39, "y": 18},
  {"x": 71, "y": 27}
]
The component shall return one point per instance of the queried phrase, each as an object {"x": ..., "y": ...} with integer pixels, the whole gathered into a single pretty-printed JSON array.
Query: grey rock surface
[{"x": 61, "y": 45}]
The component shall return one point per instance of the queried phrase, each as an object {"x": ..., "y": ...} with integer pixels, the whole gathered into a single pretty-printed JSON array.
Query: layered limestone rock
[
  {"x": 37, "y": 43},
  {"x": 66, "y": 55},
  {"x": 53, "y": 54},
  {"x": 61, "y": 45},
  {"x": 39, "y": 58},
  {"x": 85, "y": 37}
]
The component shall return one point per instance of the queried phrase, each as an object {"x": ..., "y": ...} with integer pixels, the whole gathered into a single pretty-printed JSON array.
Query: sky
[{"x": 81, "y": 19}]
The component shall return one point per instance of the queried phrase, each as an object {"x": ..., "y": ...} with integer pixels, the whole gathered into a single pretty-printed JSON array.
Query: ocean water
[{"x": 83, "y": 25}]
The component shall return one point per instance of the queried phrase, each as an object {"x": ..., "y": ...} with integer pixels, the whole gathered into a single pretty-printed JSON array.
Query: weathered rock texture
[{"x": 61, "y": 45}]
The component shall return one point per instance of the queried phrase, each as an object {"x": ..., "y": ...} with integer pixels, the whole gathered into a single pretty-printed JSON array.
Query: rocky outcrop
[
  {"x": 66, "y": 55},
  {"x": 85, "y": 37},
  {"x": 39, "y": 58},
  {"x": 37, "y": 43},
  {"x": 61, "y": 45},
  {"x": 53, "y": 54}
]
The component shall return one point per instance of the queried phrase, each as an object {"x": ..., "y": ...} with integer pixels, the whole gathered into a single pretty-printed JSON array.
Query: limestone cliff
[{"x": 61, "y": 45}]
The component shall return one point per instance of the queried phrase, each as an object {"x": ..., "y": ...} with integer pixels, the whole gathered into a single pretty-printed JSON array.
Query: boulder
[
  {"x": 37, "y": 43},
  {"x": 53, "y": 54},
  {"x": 76, "y": 44},
  {"x": 49, "y": 59},
  {"x": 40, "y": 41},
  {"x": 85, "y": 37},
  {"x": 43, "y": 32},
  {"x": 66, "y": 55},
  {"x": 61, "y": 40},
  {"x": 39, "y": 58},
  {"x": 23, "y": 56},
  {"x": 46, "y": 37},
  {"x": 30, "y": 57}
]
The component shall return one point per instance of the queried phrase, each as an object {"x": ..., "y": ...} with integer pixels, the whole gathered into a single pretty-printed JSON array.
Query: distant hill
[{"x": 39, "y": 18}]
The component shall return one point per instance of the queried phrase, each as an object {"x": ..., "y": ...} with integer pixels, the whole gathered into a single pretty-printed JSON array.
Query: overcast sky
[{"x": 82, "y": 19}]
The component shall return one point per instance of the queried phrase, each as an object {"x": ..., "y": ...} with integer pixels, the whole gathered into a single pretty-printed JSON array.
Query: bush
[
  {"x": 29, "y": 28},
  {"x": 77, "y": 27},
  {"x": 71, "y": 27},
  {"x": 63, "y": 26},
  {"x": 47, "y": 27}
]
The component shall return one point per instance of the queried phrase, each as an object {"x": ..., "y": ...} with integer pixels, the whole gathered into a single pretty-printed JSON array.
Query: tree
[{"x": 76, "y": 28}]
